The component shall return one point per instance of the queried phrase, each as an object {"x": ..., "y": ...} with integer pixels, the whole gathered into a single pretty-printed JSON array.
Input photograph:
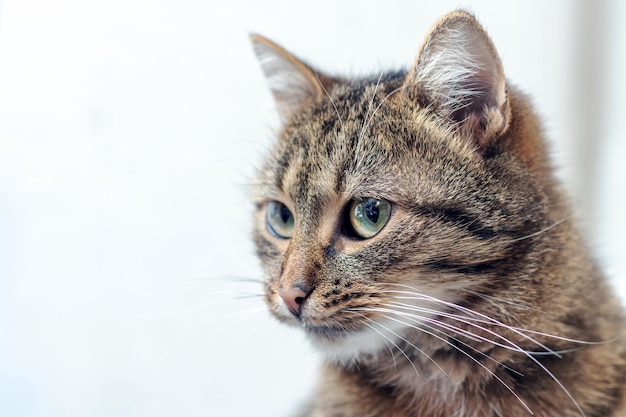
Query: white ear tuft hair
[
  {"x": 459, "y": 74},
  {"x": 291, "y": 81}
]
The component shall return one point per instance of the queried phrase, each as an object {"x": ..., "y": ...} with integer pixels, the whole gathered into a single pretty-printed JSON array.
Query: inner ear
[
  {"x": 292, "y": 82},
  {"x": 459, "y": 75}
]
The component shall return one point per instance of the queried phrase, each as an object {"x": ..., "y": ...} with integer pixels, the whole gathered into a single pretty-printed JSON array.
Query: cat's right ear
[{"x": 292, "y": 82}]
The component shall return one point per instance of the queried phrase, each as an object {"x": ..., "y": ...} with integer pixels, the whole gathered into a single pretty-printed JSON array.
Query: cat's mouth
[
  {"x": 345, "y": 343},
  {"x": 327, "y": 332}
]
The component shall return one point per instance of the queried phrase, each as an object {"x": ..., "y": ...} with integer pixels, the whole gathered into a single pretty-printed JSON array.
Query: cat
[{"x": 410, "y": 224}]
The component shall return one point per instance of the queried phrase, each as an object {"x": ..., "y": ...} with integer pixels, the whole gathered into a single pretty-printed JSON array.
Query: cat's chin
[{"x": 348, "y": 347}]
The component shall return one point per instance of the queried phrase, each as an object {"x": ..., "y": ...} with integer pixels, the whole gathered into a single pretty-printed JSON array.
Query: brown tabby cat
[{"x": 410, "y": 224}]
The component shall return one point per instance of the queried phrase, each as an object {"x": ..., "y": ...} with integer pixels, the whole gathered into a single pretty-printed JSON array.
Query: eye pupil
[
  {"x": 285, "y": 214},
  {"x": 371, "y": 210}
]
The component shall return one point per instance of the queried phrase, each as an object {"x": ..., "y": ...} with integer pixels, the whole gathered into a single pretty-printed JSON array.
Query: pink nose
[{"x": 293, "y": 298}]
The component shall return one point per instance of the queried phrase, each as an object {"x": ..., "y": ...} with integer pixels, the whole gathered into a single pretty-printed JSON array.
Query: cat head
[{"x": 407, "y": 192}]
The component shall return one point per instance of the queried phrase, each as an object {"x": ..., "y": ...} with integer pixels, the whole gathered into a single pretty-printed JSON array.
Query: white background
[{"x": 128, "y": 132}]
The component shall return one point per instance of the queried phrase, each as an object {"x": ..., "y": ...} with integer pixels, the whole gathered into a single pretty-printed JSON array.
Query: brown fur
[{"x": 480, "y": 244}]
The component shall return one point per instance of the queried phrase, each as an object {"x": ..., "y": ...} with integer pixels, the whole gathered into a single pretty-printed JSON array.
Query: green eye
[
  {"x": 368, "y": 217},
  {"x": 279, "y": 220}
]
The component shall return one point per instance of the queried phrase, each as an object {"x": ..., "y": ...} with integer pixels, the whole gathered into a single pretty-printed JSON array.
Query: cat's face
[{"x": 379, "y": 199}]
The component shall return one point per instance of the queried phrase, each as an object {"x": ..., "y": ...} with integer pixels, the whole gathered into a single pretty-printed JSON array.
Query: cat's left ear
[
  {"x": 292, "y": 82},
  {"x": 459, "y": 75}
]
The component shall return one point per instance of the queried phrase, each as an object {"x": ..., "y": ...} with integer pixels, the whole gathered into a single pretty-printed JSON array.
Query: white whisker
[
  {"x": 489, "y": 320},
  {"x": 393, "y": 356},
  {"x": 553, "y": 225},
  {"x": 200, "y": 307},
  {"x": 391, "y": 341},
  {"x": 475, "y": 337},
  {"x": 456, "y": 339},
  {"x": 485, "y": 319},
  {"x": 404, "y": 339},
  {"x": 240, "y": 315},
  {"x": 423, "y": 320},
  {"x": 500, "y": 304},
  {"x": 368, "y": 122},
  {"x": 251, "y": 323},
  {"x": 418, "y": 296},
  {"x": 331, "y": 102},
  {"x": 496, "y": 377},
  {"x": 369, "y": 107}
]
